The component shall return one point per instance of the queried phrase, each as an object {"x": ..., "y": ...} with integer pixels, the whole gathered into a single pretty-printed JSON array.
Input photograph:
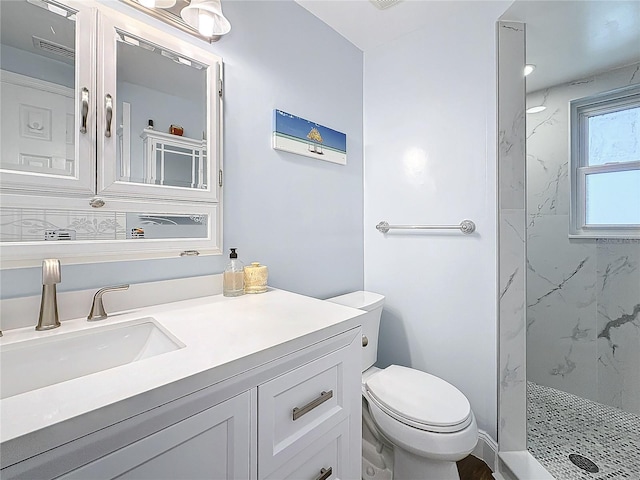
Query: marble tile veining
[
  {"x": 583, "y": 294},
  {"x": 511, "y": 219}
]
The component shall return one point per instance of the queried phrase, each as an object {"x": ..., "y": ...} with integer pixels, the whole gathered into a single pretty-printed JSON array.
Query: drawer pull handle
[
  {"x": 324, "y": 473},
  {"x": 324, "y": 396}
]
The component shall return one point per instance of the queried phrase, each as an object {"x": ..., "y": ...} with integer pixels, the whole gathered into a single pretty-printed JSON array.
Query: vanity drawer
[
  {"x": 326, "y": 459},
  {"x": 297, "y": 408}
]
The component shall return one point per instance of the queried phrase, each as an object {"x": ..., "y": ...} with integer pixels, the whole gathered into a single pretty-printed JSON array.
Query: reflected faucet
[{"x": 48, "y": 318}]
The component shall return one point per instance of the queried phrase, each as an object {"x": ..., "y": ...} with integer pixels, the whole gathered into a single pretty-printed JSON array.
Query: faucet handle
[
  {"x": 50, "y": 271},
  {"x": 97, "y": 306}
]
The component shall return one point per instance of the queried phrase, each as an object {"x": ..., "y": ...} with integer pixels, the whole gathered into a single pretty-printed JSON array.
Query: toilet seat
[{"x": 419, "y": 400}]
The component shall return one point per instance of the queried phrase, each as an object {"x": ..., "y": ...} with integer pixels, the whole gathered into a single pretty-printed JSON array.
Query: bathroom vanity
[{"x": 254, "y": 387}]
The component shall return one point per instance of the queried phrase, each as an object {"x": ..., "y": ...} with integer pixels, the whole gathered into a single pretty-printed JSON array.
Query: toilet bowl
[{"x": 427, "y": 422}]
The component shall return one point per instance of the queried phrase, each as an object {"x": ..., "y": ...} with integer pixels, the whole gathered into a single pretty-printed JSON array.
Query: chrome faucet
[
  {"x": 48, "y": 318},
  {"x": 97, "y": 307}
]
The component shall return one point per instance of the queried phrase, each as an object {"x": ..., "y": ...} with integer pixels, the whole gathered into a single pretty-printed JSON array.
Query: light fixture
[
  {"x": 528, "y": 68},
  {"x": 537, "y": 109},
  {"x": 206, "y": 17}
]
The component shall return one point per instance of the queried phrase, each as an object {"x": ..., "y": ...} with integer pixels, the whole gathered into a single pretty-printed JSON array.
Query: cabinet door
[
  {"x": 147, "y": 77},
  {"x": 297, "y": 409},
  {"x": 213, "y": 444},
  {"x": 326, "y": 459},
  {"x": 48, "y": 120}
]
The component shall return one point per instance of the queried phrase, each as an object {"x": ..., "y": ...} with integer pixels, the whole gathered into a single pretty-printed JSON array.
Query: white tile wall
[{"x": 583, "y": 295}]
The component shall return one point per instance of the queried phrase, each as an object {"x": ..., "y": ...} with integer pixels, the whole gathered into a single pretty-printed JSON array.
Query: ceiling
[
  {"x": 567, "y": 40},
  {"x": 570, "y": 40},
  {"x": 374, "y": 27}
]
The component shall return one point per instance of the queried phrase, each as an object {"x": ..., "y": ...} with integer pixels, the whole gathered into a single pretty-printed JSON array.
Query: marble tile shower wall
[
  {"x": 512, "y": 427},
  {"x": 583, "y": 296}
]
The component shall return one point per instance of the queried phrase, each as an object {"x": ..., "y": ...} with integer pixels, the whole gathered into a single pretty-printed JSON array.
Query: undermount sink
[{"x": 34, "y": 364}]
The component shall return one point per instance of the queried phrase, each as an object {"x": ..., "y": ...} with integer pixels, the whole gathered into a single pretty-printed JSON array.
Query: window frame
[{"x": 580, "y": 111}]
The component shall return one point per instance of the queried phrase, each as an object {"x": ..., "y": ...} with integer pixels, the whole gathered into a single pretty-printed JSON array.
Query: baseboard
[
  {"x": 486, "y": 449},
  {"x": 522, "y": 466}
]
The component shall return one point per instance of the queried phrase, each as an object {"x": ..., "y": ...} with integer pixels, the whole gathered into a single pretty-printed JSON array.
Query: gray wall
[{"x": 299, "y": 216}]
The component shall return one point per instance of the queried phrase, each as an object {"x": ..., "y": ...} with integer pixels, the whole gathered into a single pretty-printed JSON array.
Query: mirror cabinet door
[
  {"x": 158, "y": 115},
  {"x": 47, "y": 140}
]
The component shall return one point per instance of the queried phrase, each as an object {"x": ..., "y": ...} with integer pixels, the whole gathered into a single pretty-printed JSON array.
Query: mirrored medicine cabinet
[{"x": 110, "y": 139}]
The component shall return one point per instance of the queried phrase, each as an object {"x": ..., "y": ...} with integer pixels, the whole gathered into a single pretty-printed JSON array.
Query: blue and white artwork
[{"x": 297, "y": 135}]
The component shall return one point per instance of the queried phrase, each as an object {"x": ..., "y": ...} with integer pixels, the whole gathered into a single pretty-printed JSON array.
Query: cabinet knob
[
  {"x": 96, "y": 202},
  {"x": 365, "y": 341}
]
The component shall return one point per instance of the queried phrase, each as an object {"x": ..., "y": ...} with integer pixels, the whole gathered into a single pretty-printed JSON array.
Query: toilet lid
[{"x": 420, "y": 400}]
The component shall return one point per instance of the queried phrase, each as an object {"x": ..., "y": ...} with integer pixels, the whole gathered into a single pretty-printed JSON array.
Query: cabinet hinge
[
  {"x": 220, "y": 177},
  {"x": 220, "y": 88}
]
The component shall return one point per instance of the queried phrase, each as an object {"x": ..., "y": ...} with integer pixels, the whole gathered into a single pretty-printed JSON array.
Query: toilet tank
[{"x": 372, "y": 303}]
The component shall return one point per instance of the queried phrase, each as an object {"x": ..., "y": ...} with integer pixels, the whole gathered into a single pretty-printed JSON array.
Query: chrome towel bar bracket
[{"x": 466, "y": 227}]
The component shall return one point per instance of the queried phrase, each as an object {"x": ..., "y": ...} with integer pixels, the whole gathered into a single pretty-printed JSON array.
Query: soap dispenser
[{"x": 233, "y": 278}]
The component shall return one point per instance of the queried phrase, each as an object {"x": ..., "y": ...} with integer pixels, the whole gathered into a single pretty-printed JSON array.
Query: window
[{"x": 605, "y": 165}]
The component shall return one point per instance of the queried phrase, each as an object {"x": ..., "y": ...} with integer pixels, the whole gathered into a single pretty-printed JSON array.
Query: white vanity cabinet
[
  {"x": 302, "y": 409},
  {"x": 213, "y": 444},
  {"x": 297, "y": 416}
]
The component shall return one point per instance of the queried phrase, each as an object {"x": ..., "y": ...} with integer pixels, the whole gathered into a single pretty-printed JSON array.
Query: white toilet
[{"x": 427, "y": 422}]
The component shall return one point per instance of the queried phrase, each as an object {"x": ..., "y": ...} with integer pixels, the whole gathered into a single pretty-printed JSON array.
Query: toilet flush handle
[{"x": 365, "y": 341}]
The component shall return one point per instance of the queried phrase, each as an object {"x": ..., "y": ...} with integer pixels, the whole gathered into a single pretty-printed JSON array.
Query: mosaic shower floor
[{"x": 560, "y": 424}]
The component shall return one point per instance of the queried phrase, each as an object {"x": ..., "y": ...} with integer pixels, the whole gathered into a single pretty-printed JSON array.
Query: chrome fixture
[
  {"x": 48, "y": 317},
  {"x": 466, "y": 226},
  {"x": 202, "y": 18},
  {"x": 296, "y": 413},
  {"x": 97, "y": 307}
]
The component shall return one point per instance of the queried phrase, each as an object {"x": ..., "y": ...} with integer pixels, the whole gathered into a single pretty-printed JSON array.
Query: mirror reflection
[
  {"x": 161, "y": 105},
  {"x": 37, "y": 63},
  {"x": 31, "y": 225}
]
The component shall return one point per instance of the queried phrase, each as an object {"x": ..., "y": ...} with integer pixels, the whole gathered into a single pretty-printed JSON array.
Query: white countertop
[{"x": 223, "y": 337}]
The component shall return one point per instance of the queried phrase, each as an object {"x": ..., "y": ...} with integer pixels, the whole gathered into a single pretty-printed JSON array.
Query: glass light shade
[
  {"x": 206, "y": 23},
  {"x": 206, "y": 16}
]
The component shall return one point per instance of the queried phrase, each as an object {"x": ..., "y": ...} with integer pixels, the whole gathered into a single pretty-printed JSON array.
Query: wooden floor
[{"x": 472, "y": 468}]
